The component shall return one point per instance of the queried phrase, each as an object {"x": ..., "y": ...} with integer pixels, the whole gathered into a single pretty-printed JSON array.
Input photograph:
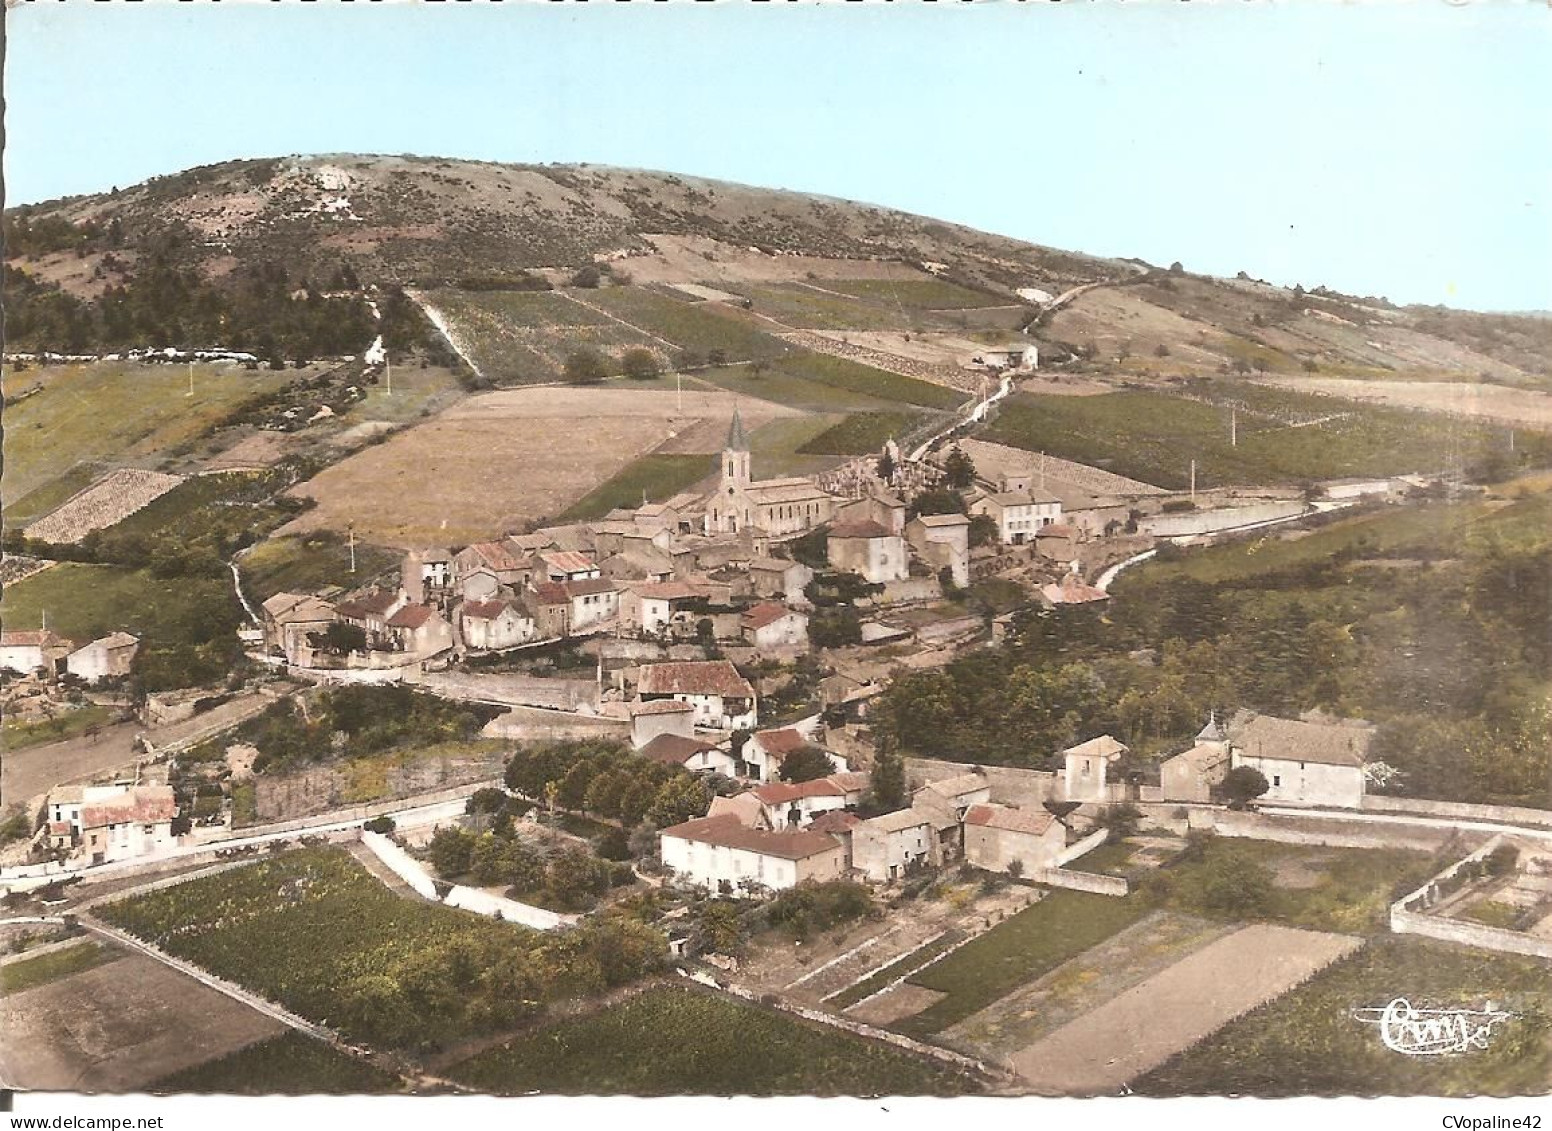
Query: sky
[{"x": 1384, "y": 148}]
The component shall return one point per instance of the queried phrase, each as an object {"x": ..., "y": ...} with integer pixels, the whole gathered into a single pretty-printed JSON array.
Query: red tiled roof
[
  {"x": 551, "y": 593},
  {"x": 694, "y": 677},
  {"x": 1013, "y": 820},
  {"x": 834, "y": 821},
  {"x": 484, "y": 610},
  {"x": 500, "y": 556},
  {"x": 144, "y": 804},
  {"x": 666, "y": 590},
  {"x": 411, "y": 616},
  {"x": 863, "y": 528},
  {"x": 1055, "y": 530},
  {"x": 589, "y": 586},
  {"x": 767, "y": 612},
  {"x": 726, "y": 831},
  {"x": 782, "y": 741},
  {"x": 31, "y": 638},
  {"x": 567, "y": 561},
  {"x": 836, "y": 785},
  {"x": 674, "y": 749}
]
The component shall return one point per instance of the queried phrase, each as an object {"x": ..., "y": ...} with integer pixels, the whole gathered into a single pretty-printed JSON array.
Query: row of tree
[{"x": 606, "y": 779}]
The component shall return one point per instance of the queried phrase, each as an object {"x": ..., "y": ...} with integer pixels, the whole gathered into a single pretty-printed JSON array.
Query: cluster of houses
[
  {"x": 1309, "y": 761},
  {"x": 25, "y": 652}
]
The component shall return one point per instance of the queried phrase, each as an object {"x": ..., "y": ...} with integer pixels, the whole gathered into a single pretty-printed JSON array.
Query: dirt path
[
  {"x": 28, "y": 773},
  {"x": 1144, "y": 1026}
]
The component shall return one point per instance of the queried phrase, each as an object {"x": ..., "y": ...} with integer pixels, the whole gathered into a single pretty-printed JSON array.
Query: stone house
[
  {"x": 1088, "y": 766},
  {"x": 289, "y": 619},
  {"x": 777, "y": 577},
  {"x": 420, "y": 630},
  {"x": 426, "y": 573},
  {"x": 1019, "y": 515},
  {"x": 691, "y": 753},
  {"x": 884, "y": 848},
  {"x": 765, "y": 751},
  {"x": 771, "y": 625},
  {"x": 1193, "y": 774},
  {"x": 662, "y": 716},
  {"x": 795, "y": 804},
  {"x": 943, "y": 542},
  {"x": 491, "y": 625},
  {"x": 1305, "y": 763},
  {"x": 26, "y": 651},
  {"x": 370, "y": 611},
  {"x": 869, "y": 549},
  {"x": 567, "y": 565},
  {"x": 999, "y": 836}
]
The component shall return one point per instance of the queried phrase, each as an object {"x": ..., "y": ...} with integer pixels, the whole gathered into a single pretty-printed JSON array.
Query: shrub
[{"x": 384, "y": 825}]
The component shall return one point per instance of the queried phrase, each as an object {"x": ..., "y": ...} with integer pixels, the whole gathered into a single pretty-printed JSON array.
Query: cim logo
[{"x": 1432, "y": 1032}]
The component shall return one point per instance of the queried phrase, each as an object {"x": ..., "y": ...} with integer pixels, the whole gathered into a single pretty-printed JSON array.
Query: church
[{"x": 776, "y": 507}]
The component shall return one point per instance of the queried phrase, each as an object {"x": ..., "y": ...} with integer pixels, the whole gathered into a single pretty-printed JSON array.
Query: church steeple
[{"x": 737, "y": 441}]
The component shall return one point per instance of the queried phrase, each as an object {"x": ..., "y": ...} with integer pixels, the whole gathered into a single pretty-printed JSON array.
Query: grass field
[
  {"x": 771, "y": 384},
  {"x": 861, "y": 433},
  {"x": 806, "y": 308},
  {"x": 288, "y": 1065},
  {"x": 87, "y": 601},
  {"x": 26, "y": 973},
  {"x": 1310, "y": 1042},
  {"x": 305, "y": 563},
  {"x": 854, "y": 377},
  {"x": 119, "y": 411},
  {"x": 1155, "y": 436},
  {"x": 1037, "y": 939},
  {"x": 880, "y": 978},
  {"x": 698, "y": 328},
  {"x": 670, "y": 1042},
  {"x": 19, "y": 736},
  {"x": 652, "y": 478},
  {"x": 226, "y": 500},
  {"x": 917, "y": 294}
]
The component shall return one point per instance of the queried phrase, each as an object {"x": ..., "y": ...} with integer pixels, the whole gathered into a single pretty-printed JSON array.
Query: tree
[
  {"x": 450, "y": 852},
  {"x": 806, "y": 763},
  {"x": 939, "y": 500},
  {"x": 640, "y": 364},
  {"x": 588, "y": 277},
  {"x": 886, "y": 781},
  {"x": 983, "y": 530},
  {"x": 886, "y": 467},
  {"x": 959, "y": 470},
  {"x": 1242, "y": 785},
  {"x": 586, "y": 366},
  {"x": 340, "y": 638}
]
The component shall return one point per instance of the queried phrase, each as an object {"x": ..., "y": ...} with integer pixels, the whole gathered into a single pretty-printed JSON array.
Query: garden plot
[
  {"x": 498, "y": 462},
  {"x": 1522, "y": 408},
  {"x": 110, "y": 500},
  {"x": 118, "y": 1026},
  {"x": 1141, "y": 1028}
]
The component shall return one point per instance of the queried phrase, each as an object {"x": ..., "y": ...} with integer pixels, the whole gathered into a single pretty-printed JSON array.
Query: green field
[
  {"x": 288, "y": 1065},
  {"x": 854, "y": 377},
  {"x": 1037, "y": 939},
  {"x": 233, "y": 502},
  {"x": 768, "y": 383},
  {"x": 406, "y": 973},
  {"x": 876, "y": 981},
  {"x": 695, "y": 327},
  {"x": 652, "y": 478},
  {"x": 806, "y": 308},
  {"x": 674, "y": 1042},
  {"x": 26, "y": 973},
  {"x": 1155, "y": 436},
  {"x": 19, "y": 736},
  {"x": 305, "y": 563},
  {"x": 1309, "y": 1042},
  {"x": 861, "y": 433},
  {"x": 119, "y": 411},
  {"x": 917, "y": 294}
]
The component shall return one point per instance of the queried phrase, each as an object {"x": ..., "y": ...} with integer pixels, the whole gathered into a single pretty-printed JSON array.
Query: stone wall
[
  {"x": 1508, "y": 814},
  {"x": 508, "y": 910},
  {"x": 1409, "y": 916},
  {"x": 1327, "y": 832},
  {"x": 1091, "y": 882},
  {"x": 1009, "y": 785},
  {"x": 400, "y": 863}
]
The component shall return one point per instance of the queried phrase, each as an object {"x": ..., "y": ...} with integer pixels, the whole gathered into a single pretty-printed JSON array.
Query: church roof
[{"x": 737, "y": 440}]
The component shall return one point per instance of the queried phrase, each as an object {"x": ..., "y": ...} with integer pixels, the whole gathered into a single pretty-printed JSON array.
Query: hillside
[{"x": 275, "y": 253}]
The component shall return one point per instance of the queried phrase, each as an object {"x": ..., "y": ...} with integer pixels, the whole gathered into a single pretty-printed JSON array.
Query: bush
[
  {"x": 639, "y": 364},
  {"x": 812, "y": 908},
  {"x": 384, "y": 825},
  {"x": 588, "y": 277}
]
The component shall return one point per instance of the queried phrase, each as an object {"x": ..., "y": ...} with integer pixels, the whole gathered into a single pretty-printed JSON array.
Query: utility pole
[
  {"x": 1233, "y": 428},
  {"x": 1193, "y": 481},
  {"x": 352, "y": 529},
  {"x": 388, "y": 371},
  {"x": 190, "y": 393},
  {"x": 678, "y": 393}
]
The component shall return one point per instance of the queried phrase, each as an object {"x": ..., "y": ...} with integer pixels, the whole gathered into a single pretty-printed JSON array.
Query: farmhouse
[
  {"x": 1019, "y": 356},
  {"x": 766, "y": 750},
  {"x": 594, "y": 600},
  {"x": 132, "y": 823},
  {"x": 1305, "y": 763},
  {"x": 108, "y": 657},
  {"x": 1059, "y": 542},
  {"x": 997, "y": 837},
  {"x": 876, "y": 506},
  {"x": 722, "y": 698},
  {"x": 567, "y": 565},
  {"x": 289, "y": 619},
  {"x": 885, "y": 848},
  {"x": 691, "y": 753},
  {"x": 489, "y": 625},
  {"x": 420, "y": 630},
  {"x": 779, "y": 578},
  {"x": 773, "y": 506},
  {"x": 943, "y": 541},
  {"x": 868, "y": 548},
  {"x": 508, "y": 564},
  {"x": 770, "y": 625},
  {"x": 652, "y": 607},
  {"x": 550, "y": 606},
  {"x": 721, "y": 853},
  {"x": 425, "y": 572},
  {"x": 1019, "y": 514},
  {"x": 27, "y": 651},
  {"x": 370, "y": 611}
]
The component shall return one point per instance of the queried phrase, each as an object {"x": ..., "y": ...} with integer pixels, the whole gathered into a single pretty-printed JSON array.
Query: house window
[{"x": 1277, "y": 780}]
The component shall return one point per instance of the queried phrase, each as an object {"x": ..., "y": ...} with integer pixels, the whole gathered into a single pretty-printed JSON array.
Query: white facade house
[
  {"x": 723, "y": 854},
  {"x": 108, "y": 657},
  {"x": 691, "y": 753},
  {"x": 770, "y": 625},
  {"x": 134, "y": 821},
  {"x": 1305, "y": 763},
  {"x": 490, "y": 625},
  {"x": 1020, "y": 355},
  {"x": 1088, "y": 766},
  {"x": 1019, "y": 515},
  {"x": 795, "y": 804},
  {"x": 722, "y": 699},
  {"x": 868, "y": 548},
  {"x": 884, "y": 848},
  {"x": 594, "y": 600},
  {"x": 943, "y": 540}
]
